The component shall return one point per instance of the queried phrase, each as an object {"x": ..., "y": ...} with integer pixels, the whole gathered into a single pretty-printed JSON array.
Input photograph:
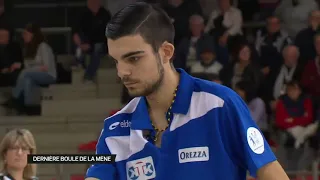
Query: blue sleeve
[
  {"x": 243, "y": 140},
  {"x": 102, "y": 171}
]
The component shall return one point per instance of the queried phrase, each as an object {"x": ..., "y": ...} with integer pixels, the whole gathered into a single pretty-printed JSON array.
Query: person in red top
[
  {"x": 311, "y": 74},
  {"x": 294, "y": 108},
  {"x": 294, "y": 112}
]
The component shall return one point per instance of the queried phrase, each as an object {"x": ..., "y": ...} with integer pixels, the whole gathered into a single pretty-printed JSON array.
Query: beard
[{"x": 149, "y": 87}]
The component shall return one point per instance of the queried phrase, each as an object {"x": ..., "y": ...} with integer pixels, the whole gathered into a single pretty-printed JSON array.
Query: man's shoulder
[
  {"x": 216, "y": 94},
  {"x": 119, "y": 123},
  {"x": 221, "y": 91}
]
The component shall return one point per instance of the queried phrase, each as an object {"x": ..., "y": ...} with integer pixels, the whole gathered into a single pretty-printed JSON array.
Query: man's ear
[{"x": 167, "y": 51}]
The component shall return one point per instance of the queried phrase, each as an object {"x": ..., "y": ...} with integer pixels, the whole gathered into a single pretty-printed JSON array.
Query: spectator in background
[
  {"x": 270, "y": 42},
  {"x": 208, "y": 62},
  {"x": 40, "y": 69},
  {"x": 225, "y": 21},
  {"x": 209, "y": 5},
  {"x": 267, "y": 8},
  {"x": 11, "y": 58},
  {"x": 305, "y": 39},
  {"x": 14, "y": 148},
  {"x": 225, "y": 25},
  {"x": 289, "y": 71},
  {"x": 311, "y": 75},
  {"x": 242, "y": 69},
  {"x": 187, "y": 52},
  {"x": 255, "y": 104},
  {"x": 180, "y": 12},
  {"x": 89, "y": 37},
  {"x": 294, "y": 14},
  {"x": 294, "y": 110}
]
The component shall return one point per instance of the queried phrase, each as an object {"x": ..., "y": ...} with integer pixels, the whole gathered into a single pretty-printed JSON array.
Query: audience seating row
[{"x": 72, "y": 114}]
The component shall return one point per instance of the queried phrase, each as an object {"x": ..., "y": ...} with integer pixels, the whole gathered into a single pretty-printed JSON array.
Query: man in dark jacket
[
  {"x": 11, "y": 59},
  {"x": 305, "y": 39},
  {"x": 89, "y": 37}
]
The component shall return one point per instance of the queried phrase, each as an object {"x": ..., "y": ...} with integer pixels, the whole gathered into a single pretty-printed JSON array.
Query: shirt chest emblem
[
  {"x": 141, "y": 169},
  {"x": 194, "y": 154}
]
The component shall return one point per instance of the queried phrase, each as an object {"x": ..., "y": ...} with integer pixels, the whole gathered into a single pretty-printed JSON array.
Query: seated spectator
[
  {"x": 89, "y": 37},
  {"x": 289, "y": 71},
  {"x": 294, "y": 113},
  {"x": 180, "y": 12},
  {"x": 242, "y": 69},
  {"x": 270, "y": 42},
  {"x": 274, "y": 83},
  {"x": 188, "y": 50},
  {"x": 311, "y": 74},
  {"x": 255, "y": 104},
  {"x": 305, "y": 39},
  {"x": 40, "y": 69},
  {"x": 225, "y": 25},
  {"x": 208, "y": 62},
  {"x": 294, "y": 108},
  {"x": 11, "y": 58},
  {"x": 294, "y": 14}
]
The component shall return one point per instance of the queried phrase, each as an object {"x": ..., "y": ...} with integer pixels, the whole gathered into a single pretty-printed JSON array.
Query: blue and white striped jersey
[{"x": 211, "y": 136}]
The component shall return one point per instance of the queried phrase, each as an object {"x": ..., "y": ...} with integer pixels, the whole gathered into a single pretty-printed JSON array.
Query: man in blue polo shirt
[{"x": 177, "y": 127}]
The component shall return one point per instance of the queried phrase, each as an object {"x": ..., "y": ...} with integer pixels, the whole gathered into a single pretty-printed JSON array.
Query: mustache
[{"x": 127, "y": 80}]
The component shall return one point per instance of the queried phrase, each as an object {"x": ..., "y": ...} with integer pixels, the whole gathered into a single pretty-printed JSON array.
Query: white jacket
[{"x": 232, "y": 21}]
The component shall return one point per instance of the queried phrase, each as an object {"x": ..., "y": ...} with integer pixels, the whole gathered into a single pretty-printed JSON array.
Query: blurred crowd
[{"x": 277, "y": 72}]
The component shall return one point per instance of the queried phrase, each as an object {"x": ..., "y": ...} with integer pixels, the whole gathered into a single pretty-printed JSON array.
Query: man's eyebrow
[{"x": 131, "y": 54}]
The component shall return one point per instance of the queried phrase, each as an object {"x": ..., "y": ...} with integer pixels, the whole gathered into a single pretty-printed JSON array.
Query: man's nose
[{"x": 123, "y": 70}]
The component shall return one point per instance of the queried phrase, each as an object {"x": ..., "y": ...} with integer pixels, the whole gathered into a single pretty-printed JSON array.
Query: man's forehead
[{"x": 126, "y": 44}]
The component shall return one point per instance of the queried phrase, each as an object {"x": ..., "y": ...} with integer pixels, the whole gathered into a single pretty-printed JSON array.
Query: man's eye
[{"x": 133, "y": 59}]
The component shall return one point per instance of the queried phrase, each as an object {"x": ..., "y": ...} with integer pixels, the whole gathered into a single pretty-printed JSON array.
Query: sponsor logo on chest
[
  {"x": 194, "y": 154},
  {"x": 122, "y": 124},
  {"x": 141, "y": 169}
]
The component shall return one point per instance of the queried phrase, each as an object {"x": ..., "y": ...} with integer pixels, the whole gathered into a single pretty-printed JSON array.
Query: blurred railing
[
  {"x": 67, "y": 32},
  {"x": 57, "y": 30}
]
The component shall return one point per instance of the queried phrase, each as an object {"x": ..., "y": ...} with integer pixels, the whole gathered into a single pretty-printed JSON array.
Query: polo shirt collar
[{"x": 140, "y": 117}]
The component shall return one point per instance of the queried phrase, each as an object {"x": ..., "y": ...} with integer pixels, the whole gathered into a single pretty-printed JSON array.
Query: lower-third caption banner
[{"x": 70, "y": 159}]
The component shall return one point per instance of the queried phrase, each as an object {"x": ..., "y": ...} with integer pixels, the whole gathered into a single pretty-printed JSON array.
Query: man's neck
[
  {"x": 161, "y": 99},
  {"x": 17, "y": 175}
]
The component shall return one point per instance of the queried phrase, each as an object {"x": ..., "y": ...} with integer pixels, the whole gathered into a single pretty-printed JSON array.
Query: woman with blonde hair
[{"x": 14, "y": 149}]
